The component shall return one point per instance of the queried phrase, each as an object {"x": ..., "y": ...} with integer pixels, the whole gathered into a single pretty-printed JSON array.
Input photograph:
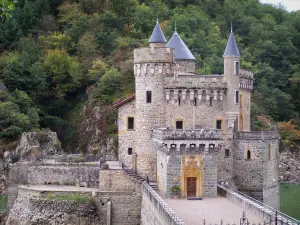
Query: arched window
[
  {"x": 227, "y": 153},
  {"x": 248, "y": 155}
]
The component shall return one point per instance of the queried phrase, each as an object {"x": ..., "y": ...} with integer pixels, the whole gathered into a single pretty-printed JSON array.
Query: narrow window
[
  {"x": 219, "y": 124},
  {"x": 179, "y": 100},
  {"x": 195, "y": 101},
  {"x": 227, "y": 153},
  {"x": 179, "y": 124},
  {"x": 130, "y": 123},
  {"x": 269, "y": 152},
  {"x": 248, "y": 155},
  {"x": 236, "y": 97},
  {"x": 210, "y": 101},
  {"x": 149, "y": 97},
  {"x": 129, "y": 151},
  {"x": 237, "y": 68}
]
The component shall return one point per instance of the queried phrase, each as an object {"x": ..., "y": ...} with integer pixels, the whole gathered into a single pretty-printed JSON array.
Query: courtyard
[{"x": 212, "y": 210}]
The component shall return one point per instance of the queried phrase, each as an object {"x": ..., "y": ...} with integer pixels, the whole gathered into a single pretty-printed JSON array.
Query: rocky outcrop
[
  {"x": 289, "y": 167},
  {"x": 34, "y": 145},
  {"x": 96, "y": 133}
]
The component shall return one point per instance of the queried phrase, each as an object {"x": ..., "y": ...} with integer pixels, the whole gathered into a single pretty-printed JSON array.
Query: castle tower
[
  {"x": 232, "y": 60},
  {"x": 185, "y": 61},
  {"x": 151, "y": 64}
]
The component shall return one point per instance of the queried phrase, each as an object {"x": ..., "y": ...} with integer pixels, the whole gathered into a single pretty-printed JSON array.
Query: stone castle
[{"x": 192, "y": 131}]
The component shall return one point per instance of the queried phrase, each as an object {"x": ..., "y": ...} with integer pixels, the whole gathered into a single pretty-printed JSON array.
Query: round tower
[
  {"x": 232, "y": 60},
  {"x": 151, "y": 64}
]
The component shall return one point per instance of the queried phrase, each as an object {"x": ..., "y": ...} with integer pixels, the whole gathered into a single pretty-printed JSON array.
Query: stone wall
[
  {"x": 186, "y": 65},
  {"x": 162, "y": 167},
  {"x": 155, "y": 210},
  {"x": 225, "y": 166},
  {"x": 43, "y": 174},
  {"x": 210, "y": 176},
  {"x": 173, "y": 172},
  {"x": 258, "y": 176},
  {"x": 245, "y": 109},
  {"x": 126, "y": 137}
]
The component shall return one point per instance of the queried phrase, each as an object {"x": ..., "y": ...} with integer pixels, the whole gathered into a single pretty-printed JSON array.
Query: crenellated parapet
[
  {"x": 153, "y": 55},
  {"x": 246, "y": 80},
  {"x": 256, "y": 135}
]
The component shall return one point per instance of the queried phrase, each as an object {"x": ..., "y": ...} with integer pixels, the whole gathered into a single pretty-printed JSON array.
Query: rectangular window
[
  {"x": 129, "y": 151},
  {"x": 219, "y": 124},
  {"x": 130, "y": 123},
  {"x": 179, "y": 125},
  {"x": 202, "y": 147},
  {"x": 236, "y": 97},
  {"x": 210, "y": 101},
  {"x": 149, "y": 97},
  {"x": 237, "y": 68}
]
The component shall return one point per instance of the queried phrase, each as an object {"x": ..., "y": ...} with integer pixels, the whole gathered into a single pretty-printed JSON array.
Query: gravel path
[{"x": 193, "y": 212}]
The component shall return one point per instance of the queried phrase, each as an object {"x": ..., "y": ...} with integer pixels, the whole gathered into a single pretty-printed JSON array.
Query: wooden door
[{"x": 191, "y": 186}]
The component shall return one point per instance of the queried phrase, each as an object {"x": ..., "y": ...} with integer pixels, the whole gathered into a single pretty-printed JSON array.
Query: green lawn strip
[
  {"x": 3, "y": 202},
  {"x": 70, "y": 197},
  {"x": 290, "y": 200}
]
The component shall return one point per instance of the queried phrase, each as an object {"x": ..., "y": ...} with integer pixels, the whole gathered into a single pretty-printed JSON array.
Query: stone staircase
[{"x": 139, "y": 179}]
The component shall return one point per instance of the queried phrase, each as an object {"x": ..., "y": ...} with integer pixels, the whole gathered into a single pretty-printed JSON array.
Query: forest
[{"x": 58, "y": 55}]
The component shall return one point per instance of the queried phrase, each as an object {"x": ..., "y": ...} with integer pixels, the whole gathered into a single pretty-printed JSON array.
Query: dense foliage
[{"x": 55, "y": 51}]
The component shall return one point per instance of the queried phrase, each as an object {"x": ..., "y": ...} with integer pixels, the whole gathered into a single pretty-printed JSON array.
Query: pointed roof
[
  {"x": 231, "y": 47},
  {"x": 157, "y": 35},
  {"x": 181, "y": 50}
]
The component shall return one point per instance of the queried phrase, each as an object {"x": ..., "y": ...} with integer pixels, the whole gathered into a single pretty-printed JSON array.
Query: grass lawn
[
  {"x": 3, "y": 202},
  {"x": 290, "y": 200}
]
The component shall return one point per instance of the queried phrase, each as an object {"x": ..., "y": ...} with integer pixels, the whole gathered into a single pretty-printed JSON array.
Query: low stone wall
[
  {"x": 155, "y": 211},
  {"x": 86, "y": 175}
]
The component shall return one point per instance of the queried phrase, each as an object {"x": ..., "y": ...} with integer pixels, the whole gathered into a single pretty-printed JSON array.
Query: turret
[
  {"x": 157, "y": 38},
  {"x": 185, "y": 61},
  {"x": 151, "y": 65},
  {"x": 231, "y": 71}
]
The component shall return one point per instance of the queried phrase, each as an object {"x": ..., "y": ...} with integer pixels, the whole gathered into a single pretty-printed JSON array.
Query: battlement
[
  {"x": 256, "y": 135},
  {"x": 199, "y": 134},
  {"x": 184, "y": 80},
  {"x": 153, "y": 55},
  {"x": 246, "y": 80}
]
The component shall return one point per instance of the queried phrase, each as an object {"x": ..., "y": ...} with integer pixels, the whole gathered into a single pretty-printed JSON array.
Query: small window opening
[
  {"x": 202, "y": 147},
  {"x": 173, "y": 145},
  {"x": 195, "y": 101},
  {"x": 269, "y": 152},
  {"x": 129, "y": 151},
  {"x": 179, "y": 124},
  {"x": 248, "y": 155},
  {"x": 237, "y": 68},
  {"x": 179, "y": 100},
  {"x": 227, "y": 153},
  {"x": 149, "y": 96},
  {"x": 219, "y": 124},
  {"x": 211, "y": 146},
  {"x": 210, "y": 101},
  {"x": 130, "y": 123},
  {"x": 192, "y": 146},
  {"x": 236, "y": 97}
]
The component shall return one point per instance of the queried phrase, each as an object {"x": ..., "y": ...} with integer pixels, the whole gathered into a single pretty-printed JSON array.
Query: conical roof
[
  {"x": 157, "y": 35},
  {"x": 181, "y": 50},
  {"x": 231, "y": 47}
]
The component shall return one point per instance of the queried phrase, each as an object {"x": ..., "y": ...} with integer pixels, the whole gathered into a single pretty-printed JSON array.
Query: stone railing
[
  {"x": 246, "y": 74},
  {"x": 199, "y": 134},
  {"x": 252, "y": 135},
  {"x": 162, "y": 211}
]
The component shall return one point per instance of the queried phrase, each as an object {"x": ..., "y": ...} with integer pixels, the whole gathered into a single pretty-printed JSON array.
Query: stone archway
[{"x": 192, "y": 176}]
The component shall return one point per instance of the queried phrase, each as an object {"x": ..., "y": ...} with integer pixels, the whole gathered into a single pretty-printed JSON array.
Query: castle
[{"x": 192, "y": 131}]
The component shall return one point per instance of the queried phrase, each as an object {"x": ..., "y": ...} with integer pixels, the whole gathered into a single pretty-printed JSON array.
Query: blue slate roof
[
  {"x": 231, "y": 47},
  {"x": 157, "y": 35},
  {"x": 181, "y": 50}
]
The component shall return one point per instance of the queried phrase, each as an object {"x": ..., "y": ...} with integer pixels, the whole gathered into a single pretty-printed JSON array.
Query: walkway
[
  {"x": 193, "y": 212},
  {"x": 59, "y": 188}
]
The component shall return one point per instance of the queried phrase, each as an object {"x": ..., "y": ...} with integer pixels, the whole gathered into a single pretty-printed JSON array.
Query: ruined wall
[
  {"x": 46, "y": 174},
  {"x": 32, "y": 207},
  {"x": 126, "y": 137}
]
